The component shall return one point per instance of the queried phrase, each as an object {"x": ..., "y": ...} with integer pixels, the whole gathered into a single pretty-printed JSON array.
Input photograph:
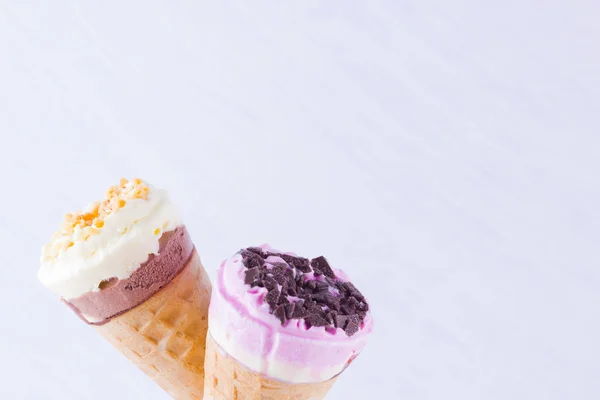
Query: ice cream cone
[
  {"x": 165, "y": 335},
  {"x": 281, "y": 327},
  {"x": 228, "y": 379},
  {"x": 128, "y": 266}
]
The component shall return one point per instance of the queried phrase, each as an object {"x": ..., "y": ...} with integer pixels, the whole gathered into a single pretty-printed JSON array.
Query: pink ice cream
[
  {"x": 116, "y": 297},
  {"x": 287, "y": 317}
]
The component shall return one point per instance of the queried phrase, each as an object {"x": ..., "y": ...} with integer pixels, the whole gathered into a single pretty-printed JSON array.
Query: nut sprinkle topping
[{"x": 80, "y": 226}]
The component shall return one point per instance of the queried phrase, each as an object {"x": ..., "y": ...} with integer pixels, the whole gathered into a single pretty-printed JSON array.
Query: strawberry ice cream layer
[{"x": 247, "y": 316}]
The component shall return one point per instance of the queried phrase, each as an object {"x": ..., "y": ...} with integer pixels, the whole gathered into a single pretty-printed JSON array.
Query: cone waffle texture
[
  {"x": 165, "y": 336},
  {"x": 228, "y": 379}
]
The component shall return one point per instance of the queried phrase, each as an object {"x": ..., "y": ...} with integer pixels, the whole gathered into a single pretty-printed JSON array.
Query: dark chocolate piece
[
  {"x": 258, "y": 251},
  {"x": 282, "y": 300},
  {"x": 353, "y": 325},
  {"x": 280, "y": 313},
  {"x": 341, "y": 321},
  {"x": 315, "y": 320},
  {"x": 271, "y": 298},
  {"x": 251, "y": 275},
  {"x": 321, "y": 287},
  {"x": 321, "y": 266},
  {"x": 300, "y": 263},
  {"x": 270, "y": 283},
  {"x": 299, "y": 310},
  {"x": 331, "y": 316},
  {"x": 289, "y": 310},
  {"x": 253, "y": 261}
]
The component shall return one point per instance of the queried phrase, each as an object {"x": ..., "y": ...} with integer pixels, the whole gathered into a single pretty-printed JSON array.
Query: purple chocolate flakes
[{"x": 321, "y": 301}]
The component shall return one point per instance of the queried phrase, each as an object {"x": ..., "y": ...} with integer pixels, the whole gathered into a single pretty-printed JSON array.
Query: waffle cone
[
  {"x": 228, "y": 379},
  {"x": 165, "y": 336}
]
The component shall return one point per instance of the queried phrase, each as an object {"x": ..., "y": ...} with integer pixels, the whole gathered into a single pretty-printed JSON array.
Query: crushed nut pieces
[{"x": 81, "y": 225}]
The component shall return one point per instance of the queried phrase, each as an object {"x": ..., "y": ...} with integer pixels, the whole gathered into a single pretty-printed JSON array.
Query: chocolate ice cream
[{"x": 116, "y": 296}]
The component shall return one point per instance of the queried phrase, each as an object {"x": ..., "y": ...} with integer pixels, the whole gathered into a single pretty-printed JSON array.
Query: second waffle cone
[{"x": 227, "y": 379}]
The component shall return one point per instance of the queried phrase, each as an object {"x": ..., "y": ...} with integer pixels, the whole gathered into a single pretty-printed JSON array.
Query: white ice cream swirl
[{"x": 113, "y": 245}]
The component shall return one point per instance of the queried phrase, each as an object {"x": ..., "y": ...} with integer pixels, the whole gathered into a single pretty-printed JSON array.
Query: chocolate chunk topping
[
  {"x": 321, "y": 266},
  {"x": 331, "y": 316},
  {"x": 311, "y": 285},
  {"x": 280, "y": 313},
  {"x": 316, "y": 320},
  {"x": 353, "y": 325},
  {"x": 270, "y": 283},
  {"x": 283, "y": 300},
  {"x": 289, "y": 310},
  {"x": 300, "y": 310},
  {"x": 251, "y": 275},
  {"x": 271, "y": 298},
  {"x": 252, "y": 260},
  {"x": 291, "y": 290},
  {"x": 340, "y": 321},
  {"x": 257, "y": 250},
  {"x": 321, "y": 287},
  {"x": 299, "y": 288},
  {"x": 300, "y": 263}
]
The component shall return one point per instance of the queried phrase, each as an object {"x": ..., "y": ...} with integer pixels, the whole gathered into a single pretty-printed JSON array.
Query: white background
[{"x": 444, "y": 153}]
